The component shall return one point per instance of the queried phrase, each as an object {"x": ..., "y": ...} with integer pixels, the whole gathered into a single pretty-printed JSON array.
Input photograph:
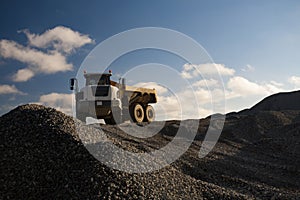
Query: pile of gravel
[{"x": 43, "y": 158}]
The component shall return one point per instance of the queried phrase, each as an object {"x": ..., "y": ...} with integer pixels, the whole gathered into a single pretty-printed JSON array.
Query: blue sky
[{"x": 259, "y": 40}]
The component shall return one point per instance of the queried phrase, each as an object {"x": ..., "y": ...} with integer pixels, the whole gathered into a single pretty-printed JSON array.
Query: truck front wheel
[
  {"x": 137, "y": 113},
  {"x": 149, "y": 114}
]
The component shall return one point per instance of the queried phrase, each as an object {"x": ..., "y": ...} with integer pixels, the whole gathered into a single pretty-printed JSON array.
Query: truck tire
[
  {"x": 137, "y": 113},
  {"x": 149, "y": 114}
]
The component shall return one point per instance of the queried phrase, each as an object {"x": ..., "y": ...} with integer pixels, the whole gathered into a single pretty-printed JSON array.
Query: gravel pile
[{"x": 44, "y": 158}]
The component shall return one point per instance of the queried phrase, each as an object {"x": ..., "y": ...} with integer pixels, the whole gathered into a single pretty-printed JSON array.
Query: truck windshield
[{"x": 97, "y": 80}]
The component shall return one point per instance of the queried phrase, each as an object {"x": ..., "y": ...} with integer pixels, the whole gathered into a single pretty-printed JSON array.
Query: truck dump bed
[{"x": 134, "y": 92}]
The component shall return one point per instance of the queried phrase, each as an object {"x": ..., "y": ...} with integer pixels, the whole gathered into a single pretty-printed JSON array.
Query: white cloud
[
  {"x": 241, "y": 87},
  {"x": 209, "y": 69},
  {"x": 167, "y": 107},
  {"x": 10, "y": 89},
  {"x": 182, "y": 104},
  {"x": 61, "y": 38},
  {"x": 295, "y": 80},
  {"x": 59, "y": 101},
  {"x": 186, "y": 75},
  {"x": 189, "y": 104},
  {"x": 206, "y": 83},
  {"x": 209, "y": 95},
  {"x": 23, "y": 75},
  {"x": 50, "y": 58},
  {"x": 248, "y": 68},
  {"x": 38, "y": 61}
]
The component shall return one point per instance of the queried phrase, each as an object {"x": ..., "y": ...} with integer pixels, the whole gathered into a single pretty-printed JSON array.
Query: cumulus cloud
[
  {"x": 167, "y": 107},
  {"x": 241, "y": 87},
  {"x": 195, "y": 100},
  {"x": 60, "y": 38},
  {"x": 206, "y": 83},
  {"x": 59, "y": 101},
  {"x": 186, "y": 75},
  {"x": 10, "y": 89},
  {"x": 185, "y": 103},
  {"x": 295, "y": 80},
  {"x": 188, "y": 104},
  {"x": 208, "y": 96},
  {"x": 209, "y": 69},
  {"x": 23, "y": 75},
  {"x": 37, "y": 61},
  {"x": 51, "y": 56}
]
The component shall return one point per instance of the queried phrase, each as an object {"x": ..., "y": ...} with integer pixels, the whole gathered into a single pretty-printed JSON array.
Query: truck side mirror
[{"x": 72, "y": 83}]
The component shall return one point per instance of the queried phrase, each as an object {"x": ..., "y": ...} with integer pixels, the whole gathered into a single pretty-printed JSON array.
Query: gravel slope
[{"x": 257, "y": 156}]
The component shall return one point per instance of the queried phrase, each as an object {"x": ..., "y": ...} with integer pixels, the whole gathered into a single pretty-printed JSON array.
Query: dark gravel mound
[
  {"x": 257, "y": 156},
  {"x": 279, "y": 102},
  {"x": 43, "y": 157},
  {"x": 260, "y": 124}
]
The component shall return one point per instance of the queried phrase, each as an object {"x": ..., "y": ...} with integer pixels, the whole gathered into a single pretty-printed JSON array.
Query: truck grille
[{"x": 100, "y": 91}]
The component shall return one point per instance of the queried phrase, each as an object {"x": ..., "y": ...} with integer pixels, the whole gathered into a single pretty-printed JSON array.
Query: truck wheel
[
  {"x": 149, "y": 114},
  {"x": 137, "y": 113}
]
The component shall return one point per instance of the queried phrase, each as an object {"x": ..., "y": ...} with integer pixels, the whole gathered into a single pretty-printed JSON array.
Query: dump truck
[{"x": 115, "y": 102}]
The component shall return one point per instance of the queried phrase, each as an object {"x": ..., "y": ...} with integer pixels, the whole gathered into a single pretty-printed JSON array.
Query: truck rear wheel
[
  {"x": 137, "y": 113},
  {"x": 149, "y": 114}
]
